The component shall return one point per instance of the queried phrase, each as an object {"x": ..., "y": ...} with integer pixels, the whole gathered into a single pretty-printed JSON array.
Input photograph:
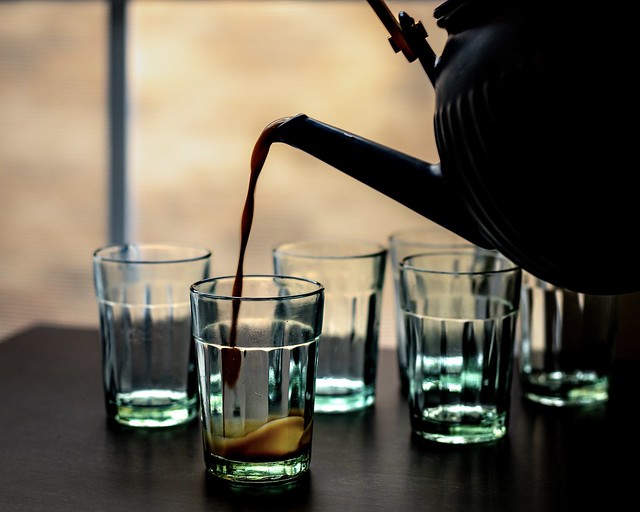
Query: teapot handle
[{"x": 407, "y": 37}]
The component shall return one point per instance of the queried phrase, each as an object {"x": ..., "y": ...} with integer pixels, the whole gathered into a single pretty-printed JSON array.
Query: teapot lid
[{"x": 457, "y": 15}]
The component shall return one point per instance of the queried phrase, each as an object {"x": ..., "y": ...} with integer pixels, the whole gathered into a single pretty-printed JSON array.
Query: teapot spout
[{"x": 416, "y": 184}]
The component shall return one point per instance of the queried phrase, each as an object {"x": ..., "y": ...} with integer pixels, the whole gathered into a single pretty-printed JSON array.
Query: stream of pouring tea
[{"x": 232, "y": 358}]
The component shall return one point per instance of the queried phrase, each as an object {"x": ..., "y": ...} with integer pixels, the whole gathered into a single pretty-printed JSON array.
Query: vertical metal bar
[{"x": 117, "y": 76}]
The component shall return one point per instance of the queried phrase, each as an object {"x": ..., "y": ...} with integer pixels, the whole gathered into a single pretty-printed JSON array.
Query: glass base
[
  {"x": 459, "y": 424},
  {"x": 342, "y": 395},
  {"x": 561, "y": 389},
  {"x": 152, "y": 408},
  {"x": 259, "y": 472}
]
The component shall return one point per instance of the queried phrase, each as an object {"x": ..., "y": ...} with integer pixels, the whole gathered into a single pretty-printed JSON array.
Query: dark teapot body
[
  {"x": 535, "y": 127},
  {"x": 533, "y": 130}
]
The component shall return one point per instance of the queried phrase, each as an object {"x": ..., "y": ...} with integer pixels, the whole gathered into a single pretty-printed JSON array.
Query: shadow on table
[{"x": 293, "y": 492}]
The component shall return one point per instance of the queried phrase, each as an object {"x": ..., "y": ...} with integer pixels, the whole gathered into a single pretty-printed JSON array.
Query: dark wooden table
[{"x": 57, "y": 451}]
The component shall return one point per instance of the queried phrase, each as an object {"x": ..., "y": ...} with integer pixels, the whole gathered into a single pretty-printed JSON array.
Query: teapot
[{"x": 532, "y": 124}]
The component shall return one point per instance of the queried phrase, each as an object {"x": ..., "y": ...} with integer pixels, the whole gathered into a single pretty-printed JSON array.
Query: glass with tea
[{"x": 257, "y": 355}]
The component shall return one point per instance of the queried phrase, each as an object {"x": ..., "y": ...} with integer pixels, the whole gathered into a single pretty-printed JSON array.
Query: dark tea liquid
[
  {"x": 231, "y": 359},
  {"x": 279, "y": 438}
]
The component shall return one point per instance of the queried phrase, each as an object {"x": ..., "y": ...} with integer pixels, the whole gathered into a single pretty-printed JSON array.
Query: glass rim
[
  {"x": 406, "y": 263},
  {"x": 317, "y": 287},
  {"x": 414, "y": 237},
  {"x": 109, "y": 253},
  {"x": 296, "y": 249}
]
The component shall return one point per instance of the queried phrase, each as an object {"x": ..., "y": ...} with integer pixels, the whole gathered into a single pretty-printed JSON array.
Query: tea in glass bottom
[
  {"x": 276, "y": 451},
  {"x": 258, "y": 422}
]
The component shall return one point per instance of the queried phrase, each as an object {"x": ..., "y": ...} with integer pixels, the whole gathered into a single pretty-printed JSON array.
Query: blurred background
[{"x": 204, "y": 77}]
